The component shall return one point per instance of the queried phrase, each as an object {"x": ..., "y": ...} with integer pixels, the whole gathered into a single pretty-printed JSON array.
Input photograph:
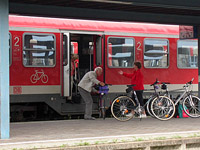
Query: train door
[
  {"x": 99, "y": 54},
  {"x": 90, "y": 51},
  {"x": 89, "y": 48},
  {"x": 66, "y": 65}
]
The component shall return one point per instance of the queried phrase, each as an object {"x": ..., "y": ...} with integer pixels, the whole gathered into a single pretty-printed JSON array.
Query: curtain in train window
[
  {"x": 39, "y": 50},
  {"x": 156, "y": 53},
  {"x": 120, "y": 52},
  {"x": 187, "y": 54}
]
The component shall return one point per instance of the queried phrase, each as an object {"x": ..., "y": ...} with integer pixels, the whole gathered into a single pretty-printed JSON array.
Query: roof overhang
[{"x": 156, "y": 11}]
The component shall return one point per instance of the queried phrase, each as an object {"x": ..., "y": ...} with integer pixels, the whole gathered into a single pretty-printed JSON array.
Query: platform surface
[{"x": 74, "y": 132}]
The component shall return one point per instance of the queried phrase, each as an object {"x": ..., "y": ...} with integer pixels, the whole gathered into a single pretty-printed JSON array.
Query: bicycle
[
  {"x": 124, "y": 108},
  {"x": 124, "y": 104},
  {"x": 161, "y": 95},
  {"x": 165, "y": 110},
  {"x": 102, "y": 110},
  {"x": 152, "y": 96}
]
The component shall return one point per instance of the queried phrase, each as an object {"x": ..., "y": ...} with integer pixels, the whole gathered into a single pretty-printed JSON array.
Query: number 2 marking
[
  {"x": 17, "y": 41},
  {"x": 139, "y": 46}
]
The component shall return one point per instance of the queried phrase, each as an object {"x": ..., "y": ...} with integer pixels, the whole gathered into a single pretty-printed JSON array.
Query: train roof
[{"x": 88, "y": 25}]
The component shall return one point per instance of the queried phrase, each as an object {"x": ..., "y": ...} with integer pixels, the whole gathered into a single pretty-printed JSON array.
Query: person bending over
[{"x": 85, "y": 88}]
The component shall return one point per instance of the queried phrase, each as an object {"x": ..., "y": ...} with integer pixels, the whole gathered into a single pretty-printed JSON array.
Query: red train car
[{"x": 40, "y": 49}]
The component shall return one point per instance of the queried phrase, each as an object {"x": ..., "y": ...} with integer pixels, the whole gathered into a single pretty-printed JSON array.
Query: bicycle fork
[
  {"x": 102, "y": 107},
  {"x": 191, "y": 101}
]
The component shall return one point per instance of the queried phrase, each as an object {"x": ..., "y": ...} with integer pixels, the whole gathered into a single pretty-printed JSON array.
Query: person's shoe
[
  {"x": 129, "y": 115},
  {"x": 143, "y": 116},
  {"x": 91, "y": 118}
]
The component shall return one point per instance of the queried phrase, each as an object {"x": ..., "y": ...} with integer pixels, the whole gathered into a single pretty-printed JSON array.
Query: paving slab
[{"x": 62, "y": 133}]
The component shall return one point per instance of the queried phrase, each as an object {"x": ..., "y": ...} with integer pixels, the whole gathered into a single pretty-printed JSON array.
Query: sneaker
[
  {"x": 129, "y": 115},
  {"x": 143, "y": 116}
]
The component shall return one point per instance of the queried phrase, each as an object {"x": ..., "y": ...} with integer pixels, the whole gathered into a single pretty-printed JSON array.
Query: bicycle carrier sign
[{"x": 39, "y": 75}]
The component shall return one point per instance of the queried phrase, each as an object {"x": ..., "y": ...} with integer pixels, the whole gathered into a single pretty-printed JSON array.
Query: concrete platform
[{"x": 70, "y": 133}]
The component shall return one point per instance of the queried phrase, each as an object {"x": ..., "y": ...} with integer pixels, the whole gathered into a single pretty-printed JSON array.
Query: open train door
[
  {"x": 99, "y": 54},
  {"x": 66, "y": 65}
]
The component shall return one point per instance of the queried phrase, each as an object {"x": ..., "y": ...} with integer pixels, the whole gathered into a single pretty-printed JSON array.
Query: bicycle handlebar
[
  {"x": 107, "y": 84},
  {"x": 189, "y": 83},
  {"x": 104, "y": 89},
  {"x": 165, "y": 83},
  {"x": 156, "y": 82}
]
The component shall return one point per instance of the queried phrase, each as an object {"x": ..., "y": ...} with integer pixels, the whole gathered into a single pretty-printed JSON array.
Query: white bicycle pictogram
[{"x": 39, "y": 75}]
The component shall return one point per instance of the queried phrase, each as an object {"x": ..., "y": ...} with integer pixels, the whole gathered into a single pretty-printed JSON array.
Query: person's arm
[
  {"x": 128, "y": 75},
  {"x": 94, "y": 90},
  {"x": 93, "y": 78}
]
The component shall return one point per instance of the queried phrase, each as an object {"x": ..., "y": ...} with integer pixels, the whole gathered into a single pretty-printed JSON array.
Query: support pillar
[
  {"x": 4, "y": 71},
  {"x": 198, "y": 35}
]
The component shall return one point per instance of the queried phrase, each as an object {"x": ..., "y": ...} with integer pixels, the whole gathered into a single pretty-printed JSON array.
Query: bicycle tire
[
  {"x": 104, "y": 110},
  {"x": 121, "y": 106},
  {"x": 104, "y": 113},
  {"x": 163, "y": 108},
  {"x": 192, "y": 108},
  {"x": 148, "y": 108}
]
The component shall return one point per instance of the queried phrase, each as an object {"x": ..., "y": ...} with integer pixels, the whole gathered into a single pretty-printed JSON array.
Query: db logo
[{"x": 17, "y": 90}]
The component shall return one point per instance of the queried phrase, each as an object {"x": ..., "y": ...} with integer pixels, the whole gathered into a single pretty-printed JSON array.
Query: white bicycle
[{"x": 163, "y": 108}]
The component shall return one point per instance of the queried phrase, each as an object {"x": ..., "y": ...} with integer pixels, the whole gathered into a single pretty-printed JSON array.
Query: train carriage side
[
  {"x": 37, "y": 64},
  {"x": 34, "y": 72},
  {"x": 163, "y": 56}
]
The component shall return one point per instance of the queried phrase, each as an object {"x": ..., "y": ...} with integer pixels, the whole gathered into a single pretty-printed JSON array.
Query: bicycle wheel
[
  {"x": 102, "y": 111},
  {"x": 192, "y": 106},
  {"x": 148, "y": 107},
  {"x": 121, "y": 107},
  {"x": 163, "y": 108}
]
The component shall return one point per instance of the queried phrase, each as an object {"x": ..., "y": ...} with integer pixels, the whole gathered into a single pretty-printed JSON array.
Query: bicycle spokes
[
  {"x": 191, "y": 106},
  {"x": 122, "y": 107},
  {"x": 163, "y": 108}
]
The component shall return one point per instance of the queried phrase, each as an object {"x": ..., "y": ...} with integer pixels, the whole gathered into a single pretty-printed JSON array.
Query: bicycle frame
[
  {"x": 103, "y": 91},
  {"x": 136, "y": 99},
  {"x": 184, "y": 94}
]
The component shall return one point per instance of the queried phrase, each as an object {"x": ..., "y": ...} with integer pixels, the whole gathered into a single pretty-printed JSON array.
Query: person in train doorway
[
  {"x": 74, "y": 58},
  {"x": 86, "y": 86},
  {"x": 137, "y": 80}
]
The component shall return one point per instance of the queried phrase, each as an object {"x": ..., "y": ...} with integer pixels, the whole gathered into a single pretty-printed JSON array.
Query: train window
[
  {"x": 187, "y": 54},
  {"x": 156, "y": 53},
  {"x": 121, "y": 52},
  {"x": 39, "y": 50}
]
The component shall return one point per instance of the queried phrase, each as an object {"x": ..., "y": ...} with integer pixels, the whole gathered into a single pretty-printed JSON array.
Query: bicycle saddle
[
  {"x": 164, "y": 85},
  {"x": 131, "y": 85}
]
